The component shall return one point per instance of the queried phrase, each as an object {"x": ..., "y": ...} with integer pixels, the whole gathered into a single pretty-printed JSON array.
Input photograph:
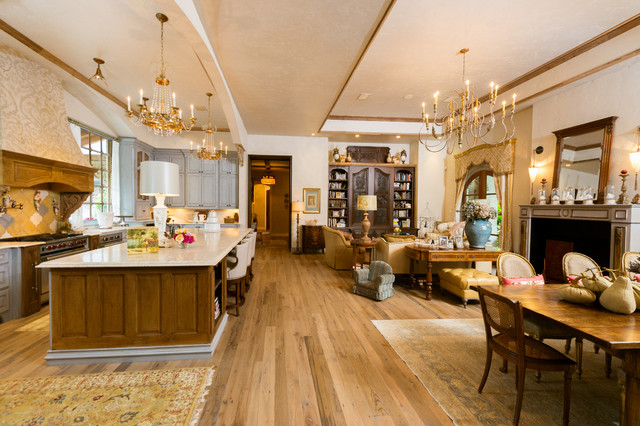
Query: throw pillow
[
  {"x": 456, "y": 229},
  {"x": 347, "y": 235},
  {"x": 399, "y": 238},
  {"x": 634, "y": 277},
  {"x": 537, "y": 280}
]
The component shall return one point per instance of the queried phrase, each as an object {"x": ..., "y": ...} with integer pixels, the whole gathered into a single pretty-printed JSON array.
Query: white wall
[
  {"x": 309, "y": 169},
  {"x": 613, "y": 92}
]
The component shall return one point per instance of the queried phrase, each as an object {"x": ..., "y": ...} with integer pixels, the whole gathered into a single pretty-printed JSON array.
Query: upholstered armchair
[
  {"x": 375, "y": 282},
  {"x": 338, "y": 252}
]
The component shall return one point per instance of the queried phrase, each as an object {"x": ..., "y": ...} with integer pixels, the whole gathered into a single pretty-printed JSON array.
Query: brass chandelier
[
  {"x": 464, "y": 121},
  {"x": 163, "y": 116},
  {"x": 207, "y": 151}
]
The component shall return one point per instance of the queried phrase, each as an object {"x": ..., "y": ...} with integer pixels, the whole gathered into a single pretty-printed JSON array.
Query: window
[
  {"x": 98, "y": 150},
  {"x": 481, "y": 186}
]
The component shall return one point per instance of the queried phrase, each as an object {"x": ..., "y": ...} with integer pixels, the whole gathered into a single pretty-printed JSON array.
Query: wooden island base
[{"x": 135, "y": 314}]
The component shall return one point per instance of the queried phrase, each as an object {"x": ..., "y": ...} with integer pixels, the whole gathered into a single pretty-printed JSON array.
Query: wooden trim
[
  {"x": 365, "y": 118},
  {"x": 27, "y": 171},
  {"x": 581, "y": 148},
  {"x": 385, "y": 15},
  {"x": 372, "y": 164}
]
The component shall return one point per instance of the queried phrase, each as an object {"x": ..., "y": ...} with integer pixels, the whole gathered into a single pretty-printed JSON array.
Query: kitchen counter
[
  {"x": 20, "y": 244},
  {"x": 208, "y": 250},
  {"x": 108, "y": 306},
  {"x": 100, "y": 231}
]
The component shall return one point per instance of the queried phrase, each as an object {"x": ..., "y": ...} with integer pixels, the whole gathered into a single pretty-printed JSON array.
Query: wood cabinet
[
  {"x": 5, "y": 285},
  {"x": 392, "y": 184},
  {"x": 29, "y": 259},
  {"x": 132, "y": 153},
  {"x": 312, "y": 238}
]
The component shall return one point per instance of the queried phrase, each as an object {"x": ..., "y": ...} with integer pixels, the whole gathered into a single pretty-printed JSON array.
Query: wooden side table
[
  {"x": 312, "y": 238},
  {"x": 361, "y": 248}
]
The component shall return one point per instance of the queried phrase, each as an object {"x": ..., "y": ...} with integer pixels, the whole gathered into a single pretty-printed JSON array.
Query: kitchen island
[{"x": 109, "y": 306}]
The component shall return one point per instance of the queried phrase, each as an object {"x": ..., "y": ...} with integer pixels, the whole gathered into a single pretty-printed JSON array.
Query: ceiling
[{"x": 289, "y": 64}]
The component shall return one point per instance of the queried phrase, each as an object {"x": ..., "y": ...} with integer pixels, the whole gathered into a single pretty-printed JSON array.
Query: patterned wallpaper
[
  {"x": 39, "y": 215},
  {"x": 33, "y": 118}
]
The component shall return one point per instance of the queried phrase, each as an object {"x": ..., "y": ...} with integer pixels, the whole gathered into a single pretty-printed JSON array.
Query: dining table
[{"x": 613, "y": 332}]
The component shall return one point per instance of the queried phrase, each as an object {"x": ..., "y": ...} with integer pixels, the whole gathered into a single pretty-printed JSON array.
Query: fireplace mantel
[{"x": 623, "y": 220}]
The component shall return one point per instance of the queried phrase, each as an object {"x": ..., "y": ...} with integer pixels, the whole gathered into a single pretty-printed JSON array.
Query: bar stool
[
  {"x": 237, "y": 275},
  {"x": 251, "y": 239}
]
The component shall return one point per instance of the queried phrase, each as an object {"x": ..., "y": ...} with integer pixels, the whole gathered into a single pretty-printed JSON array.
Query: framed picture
[
  {"x": 444, "y": 241},
  {"x": 458, "y": 242},
  {"x": 311, "y": 198}
]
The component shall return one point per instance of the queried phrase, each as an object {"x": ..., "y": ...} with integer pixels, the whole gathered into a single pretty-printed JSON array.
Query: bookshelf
[
  {"x": 338, "y": 210},
  {"x": 403, "y": 201}
]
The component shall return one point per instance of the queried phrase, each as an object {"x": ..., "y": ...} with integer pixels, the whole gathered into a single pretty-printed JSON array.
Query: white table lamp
[
  {"x": 159, "y": 179},
  {"x": 366, "y": 203}
]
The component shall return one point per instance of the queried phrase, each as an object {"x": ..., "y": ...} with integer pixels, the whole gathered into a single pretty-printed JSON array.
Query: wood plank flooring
[{"x": 303, "y": 351}]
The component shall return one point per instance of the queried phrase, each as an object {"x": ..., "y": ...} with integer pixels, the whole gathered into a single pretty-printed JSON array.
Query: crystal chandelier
[
  {"x": 163, "y": 116},
  {"x": 464, "y": 120},
  {"x": 207, "y": 151}
]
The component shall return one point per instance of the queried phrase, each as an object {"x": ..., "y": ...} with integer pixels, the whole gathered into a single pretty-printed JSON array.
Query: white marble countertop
[
  {"x": 100, "y": 231},
  {"x": 19, "y": 244},
  {"x": 208, "y": 249}
]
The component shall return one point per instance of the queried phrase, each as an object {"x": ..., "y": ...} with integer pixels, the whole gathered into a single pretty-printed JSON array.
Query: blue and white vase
[{"x": 478, "y": 232}]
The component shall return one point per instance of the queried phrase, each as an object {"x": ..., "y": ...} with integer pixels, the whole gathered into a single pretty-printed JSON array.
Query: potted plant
[
  {"x": 336, "y": 154},
  {"x": 403, "y": 156},
  {"x": 477, "y": 227}
]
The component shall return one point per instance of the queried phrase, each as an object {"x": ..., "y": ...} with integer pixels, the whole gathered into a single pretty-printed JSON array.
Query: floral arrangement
[
  {"x": 472, "y": 210},
  {"x": 183, "y": 237}
]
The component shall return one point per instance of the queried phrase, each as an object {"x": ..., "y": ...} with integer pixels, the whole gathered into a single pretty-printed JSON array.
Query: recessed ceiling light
[
  {"x": 363, "y": 96},
  {"x": 313, "y": 134},
  {"x": 397, "y": 136},
  {"x": 357, "y": 136},
  {"x": 407, "y": 97}
]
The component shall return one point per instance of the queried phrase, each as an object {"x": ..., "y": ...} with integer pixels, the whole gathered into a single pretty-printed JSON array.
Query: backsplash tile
[{"x": 34, "y": 218}]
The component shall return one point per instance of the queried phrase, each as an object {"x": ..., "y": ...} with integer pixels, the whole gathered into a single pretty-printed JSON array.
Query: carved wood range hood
[{"x": 37, "y": 148}]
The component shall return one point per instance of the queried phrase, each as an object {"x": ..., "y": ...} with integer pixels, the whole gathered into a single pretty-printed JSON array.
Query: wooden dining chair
[
  {"x": 504, "y": 327},
  {"x": 512, "y": 265}
]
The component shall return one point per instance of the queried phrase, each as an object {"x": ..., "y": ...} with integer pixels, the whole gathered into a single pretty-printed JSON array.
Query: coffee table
[{"x": 420, "y": 253}]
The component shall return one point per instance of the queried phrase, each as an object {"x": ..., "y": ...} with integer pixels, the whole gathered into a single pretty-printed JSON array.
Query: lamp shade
[
  {"x": 367, "y": 202},
  {"x": 635, "y": 160},
  {"x": 533, "y": 172},
  {"x": 297, "y": 206},
  {"x": 159, "y": 178}
]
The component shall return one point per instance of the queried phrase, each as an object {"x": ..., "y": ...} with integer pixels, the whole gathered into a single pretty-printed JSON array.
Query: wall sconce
[
  {"x": 533, "y": 170},
  {"x": 634, "y": 156}
]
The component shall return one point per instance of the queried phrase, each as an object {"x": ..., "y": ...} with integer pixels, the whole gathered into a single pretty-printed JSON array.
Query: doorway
[{"x": 270, "y": 195}]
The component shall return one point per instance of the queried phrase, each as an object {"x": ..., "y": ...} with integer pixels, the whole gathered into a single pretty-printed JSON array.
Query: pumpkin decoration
[
  {"x": 576, "y": 294},
  {"x": 619, "y": 297},
  {"x": 595, "y": 283}
]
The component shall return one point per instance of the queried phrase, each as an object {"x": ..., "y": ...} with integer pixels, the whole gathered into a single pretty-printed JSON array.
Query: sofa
[{"x": 338, "y": 252}]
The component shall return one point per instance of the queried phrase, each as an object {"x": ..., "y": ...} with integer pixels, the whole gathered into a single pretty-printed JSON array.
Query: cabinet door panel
[
  {"x": 209, "y": 166},
  {"x": 210, "y": 190},
  {"x": 360, "y": 186},
  {"x": 179, "y": 200},
  {"x": 230, "y": 165},
  {"x": 194, "y": 189},
  {"x": 179, "y": 160},
  {"x": 382, "y": 187},
  {"x": 194, "y": 165}
]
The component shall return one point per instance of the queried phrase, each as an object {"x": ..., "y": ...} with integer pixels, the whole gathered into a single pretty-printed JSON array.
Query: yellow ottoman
[{"x": 459, "y": 281}]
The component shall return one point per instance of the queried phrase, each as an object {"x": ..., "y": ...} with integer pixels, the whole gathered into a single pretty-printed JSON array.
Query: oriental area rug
[
  {"x": 158, "y": 397},
  {"x": 448, "y": 356}
]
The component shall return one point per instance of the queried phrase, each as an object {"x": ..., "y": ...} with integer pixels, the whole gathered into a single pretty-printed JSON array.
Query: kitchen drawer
[
  {"x": 4, "y": 276},
  {"x": 4, "y": 257},
  {"x": 4, "y": 300}
]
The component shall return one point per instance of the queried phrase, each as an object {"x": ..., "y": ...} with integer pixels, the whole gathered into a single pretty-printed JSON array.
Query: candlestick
[
  {"x": 191, "y": 145},
  {"x": 191, "y": 110},
  {"x": 495, "y": 93},
  {"x": 467, "y": 93},
  {"x": 491, "y": 95},
  {"x": 140, "y": 97},
  {"x": 128, "y": 103},
  {"x": 623, "y": 198},
  {"x": 423, "y": 110},
  {"x": 225, "y": 150},
  {"x": 504, "y": 103},
  {"x": 174, "y": 99}
]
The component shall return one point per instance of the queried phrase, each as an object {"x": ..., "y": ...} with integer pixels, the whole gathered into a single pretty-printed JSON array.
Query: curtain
[{"x": 501, "y": 160}]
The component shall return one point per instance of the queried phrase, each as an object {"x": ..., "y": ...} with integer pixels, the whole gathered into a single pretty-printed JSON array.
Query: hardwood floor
[{"x": 303, "y": 351}]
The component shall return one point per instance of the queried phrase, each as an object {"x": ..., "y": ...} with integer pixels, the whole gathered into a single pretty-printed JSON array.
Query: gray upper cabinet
[
  {"x": 177, "y": 157},
  {"x": 202, "y": 183},
  {"x": 228, "y": 182},
  {"x": 132, "y": 153}
]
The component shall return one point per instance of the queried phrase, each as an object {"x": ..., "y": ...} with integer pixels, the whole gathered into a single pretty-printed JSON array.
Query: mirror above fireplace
[{"x": 582, "y": 156}]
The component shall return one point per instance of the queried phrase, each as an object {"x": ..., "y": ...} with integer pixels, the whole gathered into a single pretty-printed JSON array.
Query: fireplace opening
[{"x": 551, "y": 238}]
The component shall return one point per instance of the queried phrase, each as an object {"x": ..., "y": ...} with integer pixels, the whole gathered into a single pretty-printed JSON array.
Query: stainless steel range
[{"x": 55, "y": 246}]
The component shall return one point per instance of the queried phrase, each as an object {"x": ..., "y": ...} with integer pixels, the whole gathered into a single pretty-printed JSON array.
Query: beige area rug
[
  {"x": 40, "y": 324},
  {"x": 156, "y": 397},
  {"x": 448, "y": 356}
]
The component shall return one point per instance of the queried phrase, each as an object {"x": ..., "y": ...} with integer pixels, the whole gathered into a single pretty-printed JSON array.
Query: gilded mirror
[{"x": 582, "y": 156}]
